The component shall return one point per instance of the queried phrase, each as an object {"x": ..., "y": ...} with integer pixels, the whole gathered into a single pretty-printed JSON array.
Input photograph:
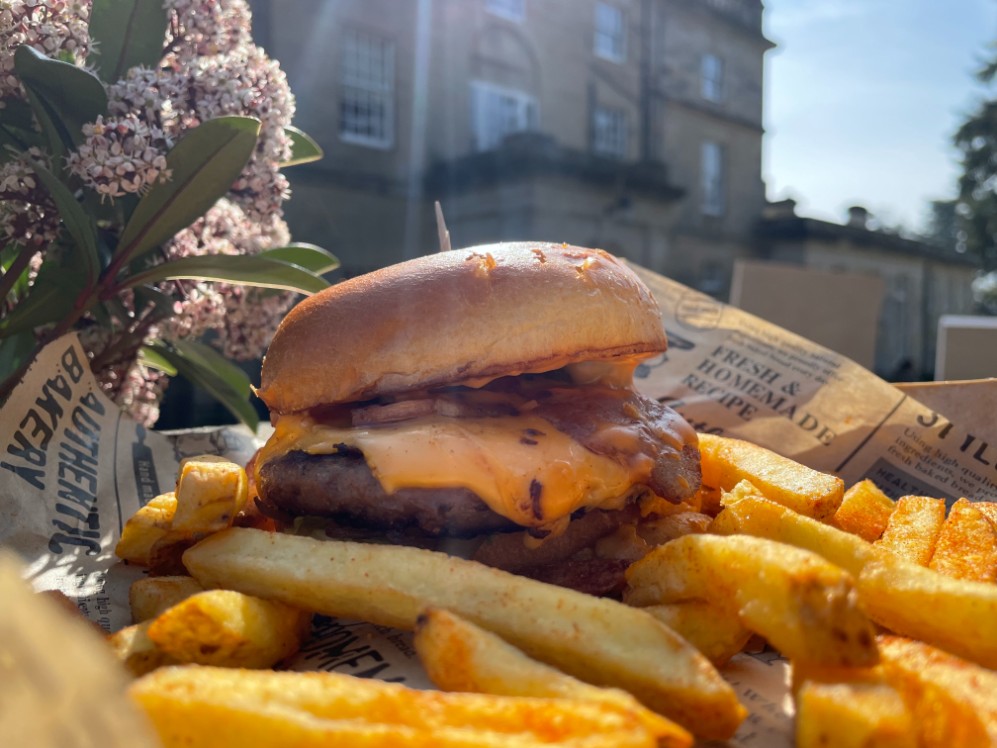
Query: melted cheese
[{"x": 521, "y": 466}]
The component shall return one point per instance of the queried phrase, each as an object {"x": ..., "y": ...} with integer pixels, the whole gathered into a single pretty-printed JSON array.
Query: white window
[
  {"x": 610, "y": 32},
  {"x": 712, "y": 75},
  {"x": 513, "y": 10},
  {"x": 609, "y": 132},
  {"x": 497, "y": 111},
  {"x": 712, "y": 175},
  {"x": 367, "y": 97}
]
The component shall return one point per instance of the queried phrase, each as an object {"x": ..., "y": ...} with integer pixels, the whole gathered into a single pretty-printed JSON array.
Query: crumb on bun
[{"x": 460, "y": 316}]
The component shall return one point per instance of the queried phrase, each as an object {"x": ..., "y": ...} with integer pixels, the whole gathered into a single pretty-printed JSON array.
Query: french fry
[
  {"x": 229, "y": 708},
  {"x": 715, "y": 633},
  {"x": 59, "y": 684},
  {"x": 953, "y": 701},
  {"x": 596, "y": 639},
  {"x": 989, "y": 510},
  {"x": 804, "y": 606},
  {"x": 864, "y": 511},
  {"x": 953, "y": 614},
  {"x": 747, "y": 512},
  {"x": 144, "y": 529},
  {"x": 913, "y": 529},
  {"x": 228, "y": 629},
  {"x": 136, "y": 651},
  {"x": 166, "y": 554},
  {"x": 459, "y": 656},
  {"x": 210, "y": 492},
  {"x": 852, "y": 715},
  {"x": 726, "y": 462},
  {"x": 967, "y": 545},
  {"x": 67, "y": 604},
  {"x": 809, "y": 672},
  {"x": 150, "y": 596}
]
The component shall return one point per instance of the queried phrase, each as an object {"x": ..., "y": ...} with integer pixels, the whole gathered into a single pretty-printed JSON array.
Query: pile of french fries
[{"x": 887, "y": 612}]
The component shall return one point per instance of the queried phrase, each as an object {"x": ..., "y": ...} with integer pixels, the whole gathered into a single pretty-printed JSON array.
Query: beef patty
[{"x": 341, "y": 486}]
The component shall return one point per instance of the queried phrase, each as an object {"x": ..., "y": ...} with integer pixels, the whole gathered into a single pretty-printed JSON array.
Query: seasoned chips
[
  {"x": 230, "y": 708},
  {"x": 806, "y": 607},
  {"x": 726, "y": 462},
  {"x": 459, "y": 656},
  {"x": 595, "y": 639}
]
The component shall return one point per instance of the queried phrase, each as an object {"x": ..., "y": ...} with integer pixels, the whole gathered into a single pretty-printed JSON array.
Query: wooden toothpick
[{"x": 441, "y": 228}]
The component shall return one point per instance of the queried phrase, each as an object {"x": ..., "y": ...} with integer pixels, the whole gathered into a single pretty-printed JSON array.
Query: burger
[{"x": 482, "y": 393}]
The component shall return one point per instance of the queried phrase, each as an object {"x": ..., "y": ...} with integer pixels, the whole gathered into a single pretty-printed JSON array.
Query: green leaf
[
  {"x": 128, "y": 33},
  {"x": 249, "y": 270},
  {"x": 204, "y": 163},
  {"x": 13, "y": 353},
  {"x": 9, "y": 253},
  {"x": 207, "y": 368},
  {"x": 63, "y": 96},
  {"x": 77, "y": 221},
  {"x": 16, "y": 114},
  {"x": 304, "y": 149},
  {"x": 16, "y": 287},
  {"x": 308, "y": 256},
  {"x": 102, "y": 315},
  {"x": 147, "y": 296},
  {"x": 10, "y": 146},
  {"x": 154, "y": 359},
  {"x": 17, "y": 128},
  {"x": 52, "y": 297}
]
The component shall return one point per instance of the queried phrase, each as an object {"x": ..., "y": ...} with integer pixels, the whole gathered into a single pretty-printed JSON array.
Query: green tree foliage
[
  {"x": 977, "y": 201},
  {"x": 943, "y": 229}
]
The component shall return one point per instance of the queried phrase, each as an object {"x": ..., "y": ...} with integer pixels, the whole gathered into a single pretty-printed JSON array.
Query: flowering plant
[{"x": 141, "y": 144}]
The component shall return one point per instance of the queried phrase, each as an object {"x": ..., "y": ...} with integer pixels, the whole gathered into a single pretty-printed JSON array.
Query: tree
[
  {"x": 943, "y": 229},
  {"x": 977, "y": 202}
]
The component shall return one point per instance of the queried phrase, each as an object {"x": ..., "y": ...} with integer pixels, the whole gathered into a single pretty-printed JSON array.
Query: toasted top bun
[{"x": 462, "y": 316}]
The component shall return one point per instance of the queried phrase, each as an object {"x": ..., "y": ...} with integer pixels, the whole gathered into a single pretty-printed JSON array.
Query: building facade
[
  {"x": 922, "y": 282},
  {"x": 631, "y": 125},
  {"x": 634, "y": 125}
]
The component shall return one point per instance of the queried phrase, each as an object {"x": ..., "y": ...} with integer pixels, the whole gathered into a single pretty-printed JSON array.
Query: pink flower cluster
[
  {"x": 202, "y": 28},
  {"x": 27, "y": 215},
  {"x": 120, "y": 155},
  {"x": 59, "y": 28},
  {"x": 210, "y": 68},
  {"x": 136, "y": 388},
  {"x": 242, "y": 319}
]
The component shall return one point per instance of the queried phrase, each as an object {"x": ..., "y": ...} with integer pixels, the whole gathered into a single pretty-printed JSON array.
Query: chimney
[
  {"x": 858, "y": 217},
  {"x": 780, "y": 209}
]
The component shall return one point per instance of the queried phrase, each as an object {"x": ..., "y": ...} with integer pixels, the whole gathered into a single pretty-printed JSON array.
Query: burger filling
[{"x": 530, "y": 451}]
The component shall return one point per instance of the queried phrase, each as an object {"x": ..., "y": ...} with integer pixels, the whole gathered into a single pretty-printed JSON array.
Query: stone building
[
  {"x": 635, "y": 125},
  {"x": 632, "y": 125},
  {"x": 922, "y": 282}
]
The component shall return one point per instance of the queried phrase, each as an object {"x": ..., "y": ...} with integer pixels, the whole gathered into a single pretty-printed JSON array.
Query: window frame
[
  {"x": 711, "y": 74},
  {"x": 527, "y": 112},
  {"x": 713, "y": 179},
  {"x": 612, "y": 144},
  {"x": 510, "y": 10},
  {"x": 352, "y": 81},
  {"x": 604, "y": 39}
]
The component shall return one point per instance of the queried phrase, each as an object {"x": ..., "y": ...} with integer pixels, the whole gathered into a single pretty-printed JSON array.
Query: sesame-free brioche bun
[{"x": 460, "y": 316}]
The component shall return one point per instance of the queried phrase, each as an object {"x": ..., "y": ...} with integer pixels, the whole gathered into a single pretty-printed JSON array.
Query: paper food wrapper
[{"x": 73, "y": 468}]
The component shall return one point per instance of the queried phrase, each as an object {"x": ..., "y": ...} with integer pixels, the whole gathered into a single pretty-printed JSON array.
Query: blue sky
[{"x": 862, "y": 99}]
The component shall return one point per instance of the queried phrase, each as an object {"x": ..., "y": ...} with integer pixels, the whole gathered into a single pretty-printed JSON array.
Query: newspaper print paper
[{"x": 73, "y": 468}]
